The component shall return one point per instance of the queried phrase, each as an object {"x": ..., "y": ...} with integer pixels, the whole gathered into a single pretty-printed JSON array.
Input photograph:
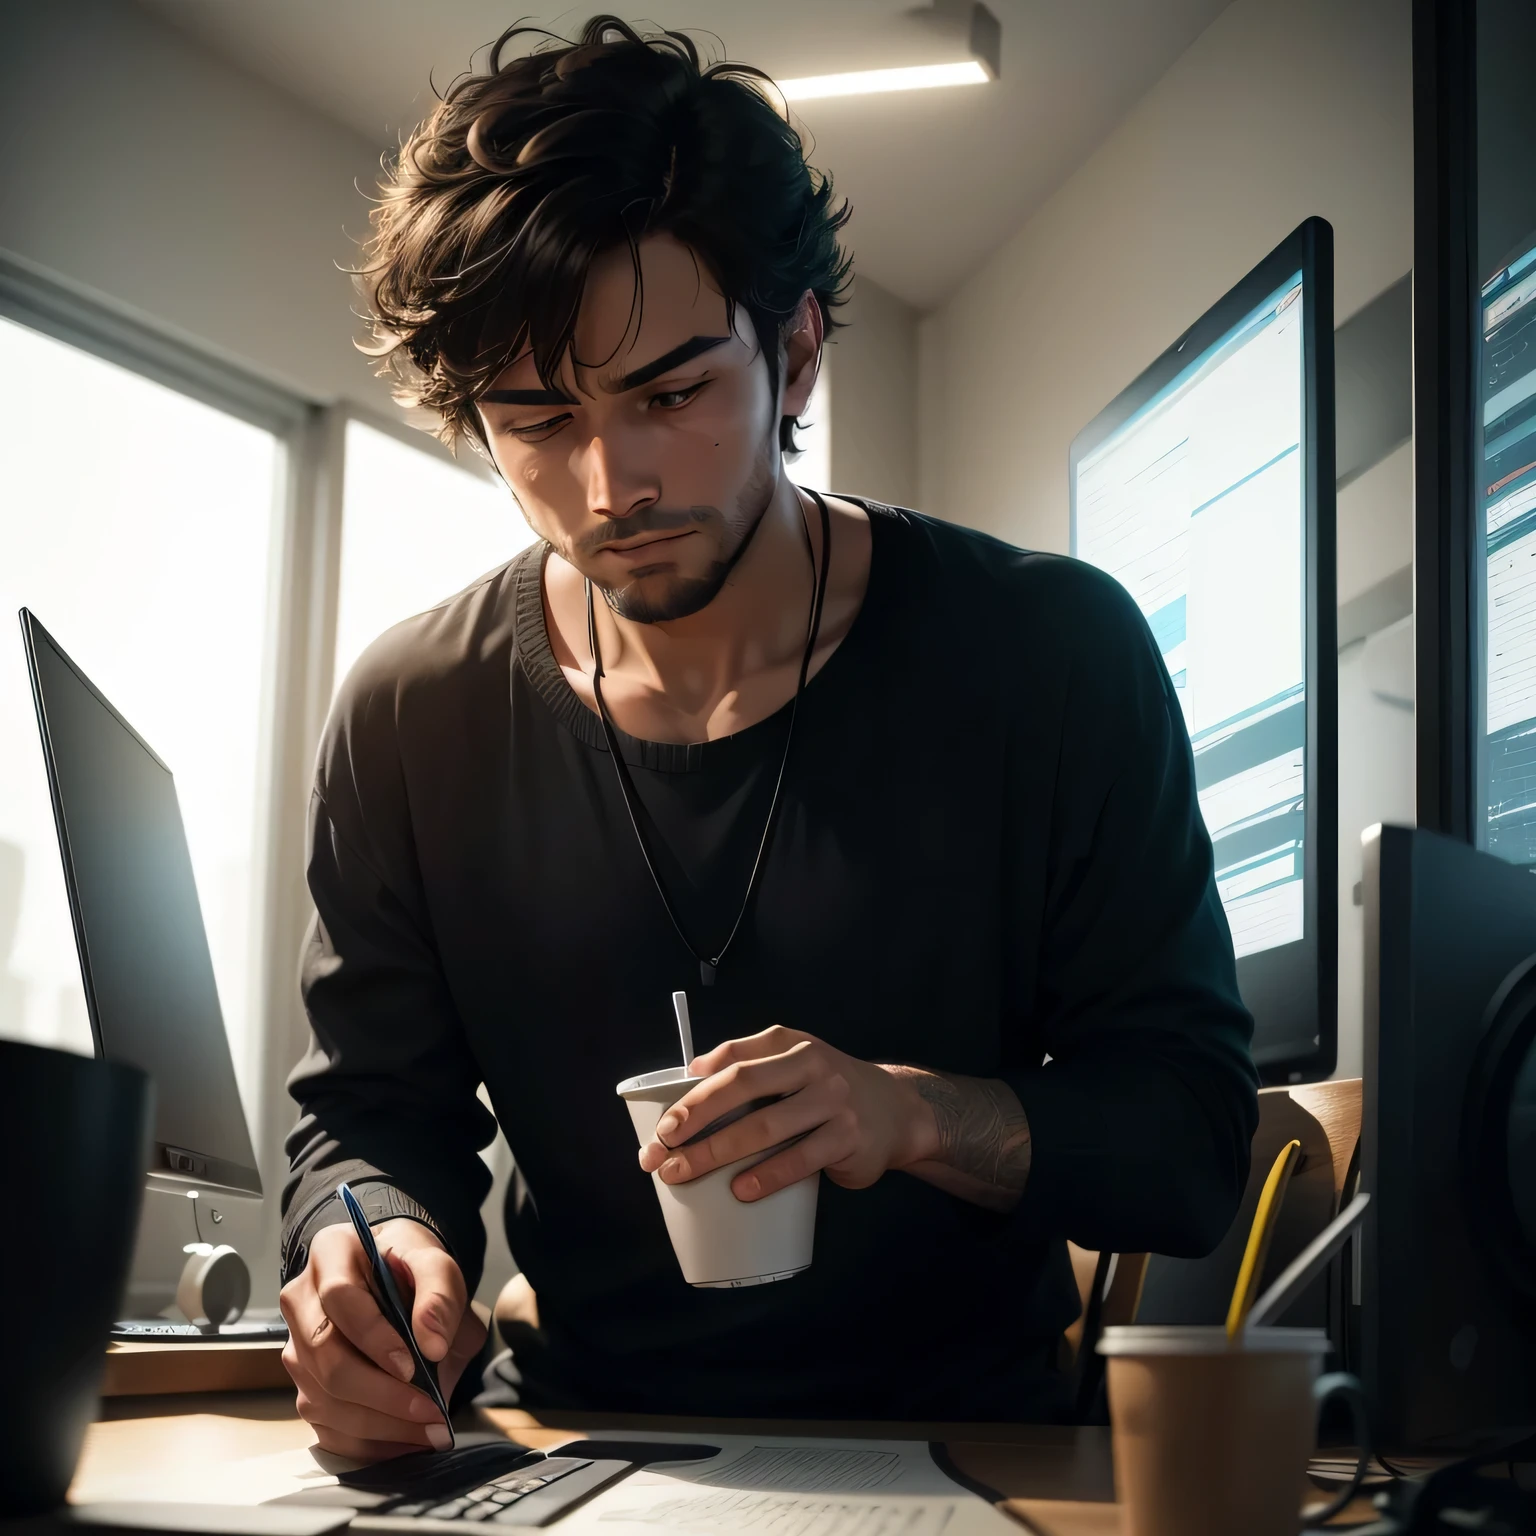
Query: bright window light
[
  {"x": 141, "y": 530},
  {"x": 866, "y": 82},
  {"x": 415, "y": 529}
]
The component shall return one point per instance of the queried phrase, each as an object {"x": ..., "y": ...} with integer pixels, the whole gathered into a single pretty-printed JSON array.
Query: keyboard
[
  {"x": 486, "y": 1480},
  {"x": 496, "y": 1502},
  {"x": 158, "y": 1331}
]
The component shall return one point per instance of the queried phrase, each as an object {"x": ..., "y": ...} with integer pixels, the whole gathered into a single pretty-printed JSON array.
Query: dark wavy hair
[{"x": 490, "y": 217}]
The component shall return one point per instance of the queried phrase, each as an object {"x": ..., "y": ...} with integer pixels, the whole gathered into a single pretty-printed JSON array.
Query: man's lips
[{"x": 640, "y": 546}]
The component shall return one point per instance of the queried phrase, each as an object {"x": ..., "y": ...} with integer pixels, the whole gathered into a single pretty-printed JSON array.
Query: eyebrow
[{"x": 685, "y": 352}]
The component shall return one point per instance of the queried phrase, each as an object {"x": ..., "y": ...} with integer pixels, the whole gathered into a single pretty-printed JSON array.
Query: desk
[
  {"x": 234, "y": 1447},
  {"x": 139, "y": 1369},
  {"x": 231, "y": 1447}
]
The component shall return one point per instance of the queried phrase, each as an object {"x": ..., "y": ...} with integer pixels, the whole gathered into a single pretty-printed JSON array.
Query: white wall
[
  {"x": 873, "y": 373},
  {"x": 1375, "y": 785},
  {"x": 150, "y": 171},
  {"x": 1376, "y": 523},
  {"x": 1376, "y": 743},
  {"x": 1280, "y": 109}
]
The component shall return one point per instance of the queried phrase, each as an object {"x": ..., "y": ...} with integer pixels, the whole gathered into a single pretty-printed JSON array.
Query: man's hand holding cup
[{"x": 852, "y": 1119}]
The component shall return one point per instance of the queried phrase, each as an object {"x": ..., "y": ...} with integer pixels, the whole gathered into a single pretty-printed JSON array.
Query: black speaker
[{"x": 1446, "y": 1286}]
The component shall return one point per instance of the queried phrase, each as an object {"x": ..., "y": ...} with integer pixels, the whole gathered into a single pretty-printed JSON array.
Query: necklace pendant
[{"x": 707, "y": 969}]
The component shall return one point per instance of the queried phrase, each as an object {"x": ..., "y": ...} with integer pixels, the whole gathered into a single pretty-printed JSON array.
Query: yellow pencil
[{"x": 1265, "y": 1218}]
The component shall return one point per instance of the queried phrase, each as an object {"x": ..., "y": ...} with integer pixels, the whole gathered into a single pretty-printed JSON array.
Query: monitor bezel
[
  {"x": 167, "y": 1169},
  {"x": 1291, "y": 990}
]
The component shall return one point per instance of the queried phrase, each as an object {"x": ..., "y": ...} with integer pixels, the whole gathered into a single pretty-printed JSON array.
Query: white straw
[{"x": 684, "y": 1028}]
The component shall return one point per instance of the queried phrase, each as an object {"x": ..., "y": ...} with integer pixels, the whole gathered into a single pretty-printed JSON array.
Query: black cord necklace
[{"x": 708, "y": 966}]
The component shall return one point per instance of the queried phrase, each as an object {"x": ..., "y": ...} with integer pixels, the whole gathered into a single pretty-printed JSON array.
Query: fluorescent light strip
[{"x": 866, "y": 82}]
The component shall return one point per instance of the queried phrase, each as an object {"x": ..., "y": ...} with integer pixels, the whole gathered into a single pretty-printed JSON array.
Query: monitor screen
[
  {"x": 1505, "y": 498},
  {"x": 1195, "y": 505},
  {"x": 144, "y": 958},
  {"x": 1206, "y": 490}
]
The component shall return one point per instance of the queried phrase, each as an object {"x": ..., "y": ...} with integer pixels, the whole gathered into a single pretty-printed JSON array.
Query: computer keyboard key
[
  {"x": 484, "y": 1510},
  {"x": 449, "y": 1511},
  {"x": 550, "y": 1469}
]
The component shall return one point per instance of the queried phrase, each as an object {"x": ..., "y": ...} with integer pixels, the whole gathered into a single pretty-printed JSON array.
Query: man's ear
[{"x": 802, "y": 355}]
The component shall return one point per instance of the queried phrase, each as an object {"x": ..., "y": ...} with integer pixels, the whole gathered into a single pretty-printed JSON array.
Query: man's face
[{"x": 650, "y": 480}]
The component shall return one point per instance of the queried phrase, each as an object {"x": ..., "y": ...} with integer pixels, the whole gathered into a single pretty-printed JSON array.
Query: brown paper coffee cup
[{"x": 1212, "y": 1435}]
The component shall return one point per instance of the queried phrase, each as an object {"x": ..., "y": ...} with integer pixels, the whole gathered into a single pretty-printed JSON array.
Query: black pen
[{"x": 387, "y": 1294}]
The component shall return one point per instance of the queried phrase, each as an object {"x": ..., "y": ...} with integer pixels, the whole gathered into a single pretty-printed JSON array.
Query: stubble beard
[{"x": 658, "y": 602}]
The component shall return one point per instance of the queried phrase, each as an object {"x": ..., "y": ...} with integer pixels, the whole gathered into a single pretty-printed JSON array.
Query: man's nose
[{"x": 611, "y": 491}]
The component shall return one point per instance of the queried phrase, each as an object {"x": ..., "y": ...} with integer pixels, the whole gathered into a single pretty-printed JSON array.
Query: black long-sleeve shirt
[{"x": 989, "y": 859}]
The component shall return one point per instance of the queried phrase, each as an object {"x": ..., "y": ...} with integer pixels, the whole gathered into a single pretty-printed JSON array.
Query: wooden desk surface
[{"x": 245, "y": 1447}]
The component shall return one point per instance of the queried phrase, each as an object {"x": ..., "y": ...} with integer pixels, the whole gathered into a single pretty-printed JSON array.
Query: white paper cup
[{"x": 720, "y": 1241}]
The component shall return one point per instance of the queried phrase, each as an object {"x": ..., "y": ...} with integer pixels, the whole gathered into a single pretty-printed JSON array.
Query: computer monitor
[
  {"x": 1207, "y": 488},
  {"x": 1504, "y": 504},
  {"x": 149, "y": 984},
  {"x": 1445, "y": 1337}
]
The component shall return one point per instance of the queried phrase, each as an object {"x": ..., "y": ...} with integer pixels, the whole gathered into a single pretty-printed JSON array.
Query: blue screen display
[
  {"x": 1196, "y": 504},
  {"x": 1505, "y": 498}
]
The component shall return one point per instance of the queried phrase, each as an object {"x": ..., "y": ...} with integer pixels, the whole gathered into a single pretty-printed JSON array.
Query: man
[{"x": 910, "y": 814}]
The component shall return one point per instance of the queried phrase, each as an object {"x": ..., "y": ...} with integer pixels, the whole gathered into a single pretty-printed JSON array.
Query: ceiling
[{"x": 938, "y": 179}]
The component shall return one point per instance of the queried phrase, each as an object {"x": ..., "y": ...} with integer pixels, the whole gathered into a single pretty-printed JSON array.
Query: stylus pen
[{"x": 393, "y": 1306}]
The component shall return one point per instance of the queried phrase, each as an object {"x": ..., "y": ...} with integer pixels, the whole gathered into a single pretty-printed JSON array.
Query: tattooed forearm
[{"x": 983, "y": 1139}]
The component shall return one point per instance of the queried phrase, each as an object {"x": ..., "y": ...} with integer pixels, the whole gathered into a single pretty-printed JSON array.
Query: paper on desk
[{"x": 789, "y": 1487}]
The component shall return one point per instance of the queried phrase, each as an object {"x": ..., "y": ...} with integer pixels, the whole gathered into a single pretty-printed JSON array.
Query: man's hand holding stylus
[
  {"x": 855, "y": 1120},
  {"x": 351, "y": 1368}
]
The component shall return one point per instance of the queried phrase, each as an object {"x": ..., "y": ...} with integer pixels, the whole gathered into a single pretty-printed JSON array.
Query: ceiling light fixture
[
  {"x": 866, "y": 82},
  {"x": 966, "y": 26}
]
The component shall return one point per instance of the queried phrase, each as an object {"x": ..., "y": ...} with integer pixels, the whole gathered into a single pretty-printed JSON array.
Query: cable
[{"x": 708, "y": 965}]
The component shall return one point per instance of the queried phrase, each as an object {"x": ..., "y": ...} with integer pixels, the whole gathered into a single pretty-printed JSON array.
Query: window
[
  {"x": 415, "y": 528},
  {"x": 138, "y": 524}
]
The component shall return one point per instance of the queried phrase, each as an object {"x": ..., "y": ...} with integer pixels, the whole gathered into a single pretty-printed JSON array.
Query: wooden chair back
[{"x": 1325, "y": 1118}]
